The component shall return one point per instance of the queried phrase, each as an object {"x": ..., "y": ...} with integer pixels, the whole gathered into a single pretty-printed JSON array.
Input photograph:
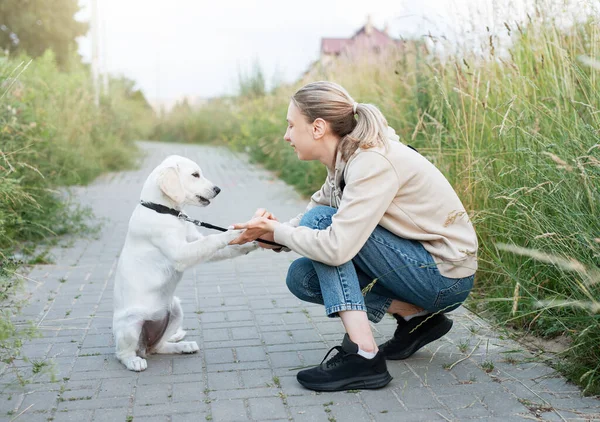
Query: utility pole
[
  {"x": 158, "y": 103},
  {"x": 95, "y": 61},
  {"x": 104, "y": 53}
]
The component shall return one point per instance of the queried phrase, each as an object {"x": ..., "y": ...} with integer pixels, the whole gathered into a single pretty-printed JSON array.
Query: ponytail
[{"x": 358, "y": 125}]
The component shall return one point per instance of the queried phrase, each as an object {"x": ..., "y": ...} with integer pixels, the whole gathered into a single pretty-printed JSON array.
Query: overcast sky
[{"x": 197, "y": 47}]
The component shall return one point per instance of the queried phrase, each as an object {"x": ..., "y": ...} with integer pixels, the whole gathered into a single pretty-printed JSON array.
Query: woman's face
[{"x": 300, "y": 135}]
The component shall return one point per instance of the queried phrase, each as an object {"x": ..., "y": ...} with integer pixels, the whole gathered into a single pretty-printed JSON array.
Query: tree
[{"x": 33, "y": 26}]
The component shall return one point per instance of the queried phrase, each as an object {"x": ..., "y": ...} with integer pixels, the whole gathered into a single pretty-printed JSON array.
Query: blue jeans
[{"x": 403, "y": 268}]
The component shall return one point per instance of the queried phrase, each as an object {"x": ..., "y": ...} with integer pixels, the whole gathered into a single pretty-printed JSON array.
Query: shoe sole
[
  {"x": 432, "y": 335},
  {"x": 358, "y": 383}
]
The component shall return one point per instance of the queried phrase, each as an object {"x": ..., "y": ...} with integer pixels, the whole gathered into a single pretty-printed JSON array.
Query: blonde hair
[{"x": 332, "y": 103}]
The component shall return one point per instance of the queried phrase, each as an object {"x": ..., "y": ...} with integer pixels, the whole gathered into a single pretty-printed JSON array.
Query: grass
[
  {"x": 463, "y": 345},
  {"x": 516, "y": 133},
  {"x": 38, "y": 366},
  {"x": 487, "y": 366},
  {"x": 62, "y": 399}
]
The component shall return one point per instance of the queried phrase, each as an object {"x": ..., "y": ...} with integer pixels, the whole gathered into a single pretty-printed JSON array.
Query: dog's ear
[{"x": 169, "y": 183}]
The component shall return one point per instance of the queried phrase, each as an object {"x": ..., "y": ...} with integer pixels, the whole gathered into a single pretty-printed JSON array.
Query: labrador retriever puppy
[{"x": 158, "y": 248}]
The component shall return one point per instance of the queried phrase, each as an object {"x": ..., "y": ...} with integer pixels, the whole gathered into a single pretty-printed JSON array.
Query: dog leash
[{"x": 161, "y": 209}]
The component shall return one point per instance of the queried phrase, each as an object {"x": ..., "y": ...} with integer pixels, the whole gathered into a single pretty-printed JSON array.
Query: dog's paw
[
  {"x": 136, "y": 364},
  {"x": 230, "y": 235},
  {"x": 249, "y": 247},
  {"x": 188, "y": 347}
]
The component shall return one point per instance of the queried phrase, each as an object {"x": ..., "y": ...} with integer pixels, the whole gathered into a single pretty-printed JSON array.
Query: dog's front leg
[
  {"x": 186, "y": 254},
  {"x": 233, "y": 251},
  {"x": 192, "y": 234}
]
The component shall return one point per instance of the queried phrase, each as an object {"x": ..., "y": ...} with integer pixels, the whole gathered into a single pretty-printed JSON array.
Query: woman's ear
[{"x": 319, "y": 128}]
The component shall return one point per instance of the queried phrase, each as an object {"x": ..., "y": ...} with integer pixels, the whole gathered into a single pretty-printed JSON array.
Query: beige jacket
[{"x": 394, "y": 187}]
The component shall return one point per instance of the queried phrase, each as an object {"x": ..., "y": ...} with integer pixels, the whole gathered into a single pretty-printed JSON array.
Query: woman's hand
[
  {"x": 261, "y": 212},
  {"x": 270, "y": 237},
  {"x": 253, "y": 233},
  {"x": 255, "y": 228}
]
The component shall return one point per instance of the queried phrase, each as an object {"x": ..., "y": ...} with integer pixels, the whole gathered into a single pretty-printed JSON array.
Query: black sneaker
[
  {"x": 405, "y": 343},
  {"x": 346, "y": 371}
]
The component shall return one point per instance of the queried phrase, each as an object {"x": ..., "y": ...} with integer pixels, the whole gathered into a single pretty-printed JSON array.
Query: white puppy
[{"x": 158, "y": 248}]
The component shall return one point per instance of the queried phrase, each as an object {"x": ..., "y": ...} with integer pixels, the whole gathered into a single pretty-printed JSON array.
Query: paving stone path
[{"x": 253, "y": 334}]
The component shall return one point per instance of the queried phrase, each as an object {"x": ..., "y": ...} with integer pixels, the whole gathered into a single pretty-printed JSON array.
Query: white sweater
[{"x": 394, "y": 187}]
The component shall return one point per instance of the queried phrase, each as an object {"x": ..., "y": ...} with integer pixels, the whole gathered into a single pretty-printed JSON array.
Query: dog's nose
[{"x": 217, "y": 190}]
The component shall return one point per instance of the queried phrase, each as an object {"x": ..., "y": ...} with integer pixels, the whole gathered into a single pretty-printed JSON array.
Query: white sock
[
  {"x": 418, "y": 314},
  {"x": 368, "y": 355}
]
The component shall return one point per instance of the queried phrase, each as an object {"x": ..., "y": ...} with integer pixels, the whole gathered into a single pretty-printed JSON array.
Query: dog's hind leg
[
  {"x": 172, "y": 331},
  {"x": 127, "y": 340},
  {"x": 180, "y": 333},
  {"x": 178, "y": 336},
  {"x": 168, "y": 348}
]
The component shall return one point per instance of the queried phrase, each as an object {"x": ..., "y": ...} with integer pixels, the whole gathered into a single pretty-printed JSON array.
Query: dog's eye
[{"x": 196, "y": 174}]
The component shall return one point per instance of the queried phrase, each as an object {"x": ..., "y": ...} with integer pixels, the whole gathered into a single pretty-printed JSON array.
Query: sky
[{"x": 197, "y": 48}]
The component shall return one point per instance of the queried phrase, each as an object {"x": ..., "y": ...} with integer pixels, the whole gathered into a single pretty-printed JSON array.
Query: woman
[{"x": 385, "y": 215}]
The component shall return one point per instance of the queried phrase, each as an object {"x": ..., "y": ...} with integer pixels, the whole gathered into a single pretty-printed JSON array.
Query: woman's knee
[
  {"x": 298, "y": 272},
  {"x": 303, "y": 282},
  {"x": 318, "y": 217},
  {"x": 451, "y": 297}
]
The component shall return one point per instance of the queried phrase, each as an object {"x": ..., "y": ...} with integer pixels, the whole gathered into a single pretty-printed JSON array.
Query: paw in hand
[{"x": 232, "y": 234}]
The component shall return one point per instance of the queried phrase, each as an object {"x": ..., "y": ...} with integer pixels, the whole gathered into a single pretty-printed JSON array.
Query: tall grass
[
  {"x": 215, "y": 122},
  {"x": 518, "y": 137},
  {"x": 52, "y": 135}
]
